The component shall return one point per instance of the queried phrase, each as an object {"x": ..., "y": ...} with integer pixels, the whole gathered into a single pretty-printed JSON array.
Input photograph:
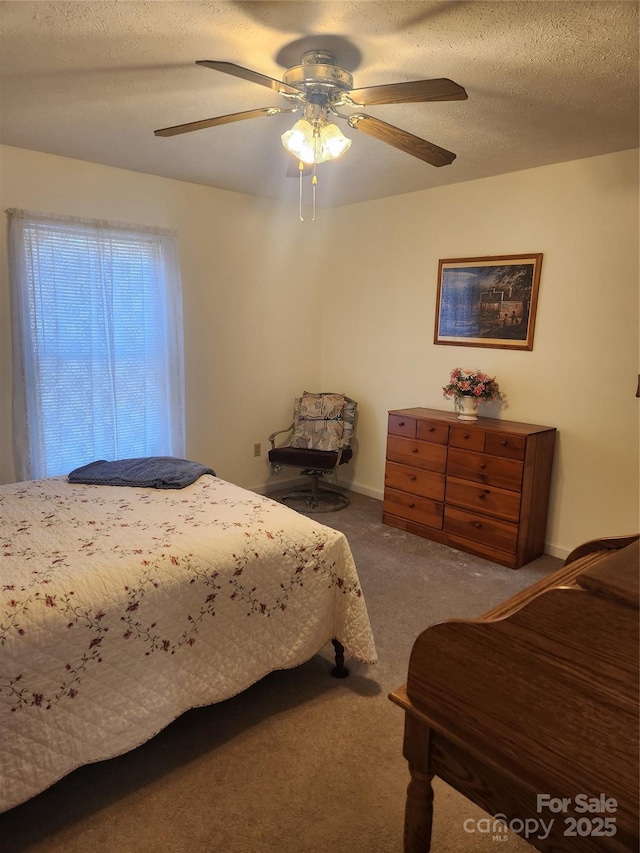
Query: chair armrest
[{"x": 279, "y": 432}]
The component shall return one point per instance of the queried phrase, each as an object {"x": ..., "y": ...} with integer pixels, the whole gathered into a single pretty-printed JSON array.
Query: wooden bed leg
[
  {"x": 418, "y": 817},
  {"x": 339, "y": 670}
]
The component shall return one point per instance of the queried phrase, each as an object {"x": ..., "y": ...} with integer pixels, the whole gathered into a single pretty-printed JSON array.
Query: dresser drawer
[
  {"x": 485, "y": 469},
  {"x": 501, "y": 444},
  {"x": 399, "y": 425},
  {"x": 418, "y": 481},
  {"x": 413, "y": 508},
  {"x": 482, "y": 529},
  {"x": 421, "y": 454},
  {"x": 433, "y": 431},
  {"x": 469, "y": 439},
  {"x": 485, "y": 499}
]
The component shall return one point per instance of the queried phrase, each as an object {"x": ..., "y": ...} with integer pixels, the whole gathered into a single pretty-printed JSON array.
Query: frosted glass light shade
[
  {"x": 334, "y": 142},
  {"x": 299, "y": 141},
  {"x": 315, "y": 147}
]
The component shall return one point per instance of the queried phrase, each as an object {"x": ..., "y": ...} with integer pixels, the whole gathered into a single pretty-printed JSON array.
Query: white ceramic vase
[{"x": 468, "y": 408}]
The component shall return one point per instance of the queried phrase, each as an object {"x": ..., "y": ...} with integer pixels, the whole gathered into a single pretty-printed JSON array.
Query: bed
[{"x": 123, "y": 607}]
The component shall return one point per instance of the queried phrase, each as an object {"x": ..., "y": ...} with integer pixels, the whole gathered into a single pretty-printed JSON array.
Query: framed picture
[{"x": 488, "y": 302}]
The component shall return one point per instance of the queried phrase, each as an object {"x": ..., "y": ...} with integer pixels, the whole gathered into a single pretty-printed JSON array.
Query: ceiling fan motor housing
[{"x": 319, "y": 76}]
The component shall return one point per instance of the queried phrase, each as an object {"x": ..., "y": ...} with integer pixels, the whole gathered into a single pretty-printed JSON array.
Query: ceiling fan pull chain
[
  {"x": 314, "y": 183},
  {"x": 300, "y": 171}
]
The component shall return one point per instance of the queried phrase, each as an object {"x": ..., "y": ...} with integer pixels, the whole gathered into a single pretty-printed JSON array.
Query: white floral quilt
[{"x": 120, "y": 608}]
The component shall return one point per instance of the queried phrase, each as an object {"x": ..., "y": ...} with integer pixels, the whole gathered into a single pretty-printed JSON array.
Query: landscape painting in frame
[{"x": 488, "y": 302}]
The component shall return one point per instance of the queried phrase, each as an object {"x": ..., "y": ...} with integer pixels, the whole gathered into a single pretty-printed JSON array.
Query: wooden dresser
[{"x": 481, "y": 486}]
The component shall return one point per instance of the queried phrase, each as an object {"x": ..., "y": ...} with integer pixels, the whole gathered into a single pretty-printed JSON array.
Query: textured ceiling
[{"x": 547, "y": 82}]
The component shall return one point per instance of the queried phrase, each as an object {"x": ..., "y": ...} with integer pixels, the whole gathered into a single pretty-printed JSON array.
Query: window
[{"x": 97, "y": 343}]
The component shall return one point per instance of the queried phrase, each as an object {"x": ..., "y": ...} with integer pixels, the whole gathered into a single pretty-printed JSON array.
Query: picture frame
[{"x": 488, "y": 301}]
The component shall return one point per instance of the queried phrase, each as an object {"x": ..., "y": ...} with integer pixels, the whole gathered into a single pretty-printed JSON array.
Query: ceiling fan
[{"x": 320, "y": 88}]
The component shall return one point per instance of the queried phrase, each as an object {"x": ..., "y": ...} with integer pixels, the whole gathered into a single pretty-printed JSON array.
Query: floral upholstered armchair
[{"x": 319, "y": 441}]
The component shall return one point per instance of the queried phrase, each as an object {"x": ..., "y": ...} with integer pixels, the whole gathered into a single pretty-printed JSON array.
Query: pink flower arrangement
[{"x": 471, "y": 383}]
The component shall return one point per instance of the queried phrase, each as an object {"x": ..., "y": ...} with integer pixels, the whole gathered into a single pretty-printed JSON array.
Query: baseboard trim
[
  {"x": 556, "y": 551},
  {"x": 268, "y": 488},
  {"x": 365, "y": 490}
]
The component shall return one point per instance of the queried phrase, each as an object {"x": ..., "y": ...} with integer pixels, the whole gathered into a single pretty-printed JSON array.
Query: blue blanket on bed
[{"x": 153, "y": 472}]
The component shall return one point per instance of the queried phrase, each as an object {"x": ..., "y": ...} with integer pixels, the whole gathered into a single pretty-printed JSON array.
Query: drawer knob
[
  {"x": 411, "y": 506},
  {"x": 503, "y": 442},
  {"x": 432, "y": 429},
  {"x": 413, "y": 478},
  {"x": 483, "y": 465},
  {"x": 482, "y": 496},
  {"x": 477, "y": 525},
  {"x": 400, "y": 423},
  {"x": 414, "y": 449},
  {"x": 466, "y": 435}
]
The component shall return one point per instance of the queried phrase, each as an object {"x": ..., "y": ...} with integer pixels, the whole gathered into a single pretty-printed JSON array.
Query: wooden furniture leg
[
  {"x": 339, "y": 670},
  {"x": 419, "y": 806}
]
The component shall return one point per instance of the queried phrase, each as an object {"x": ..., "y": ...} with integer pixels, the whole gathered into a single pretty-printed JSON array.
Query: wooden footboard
[{"x": 532, "y": 711}]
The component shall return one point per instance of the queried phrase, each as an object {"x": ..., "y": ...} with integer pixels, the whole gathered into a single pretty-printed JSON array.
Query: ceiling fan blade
[
  {"x": 251, "y": 76},
  {"x": 212, "y": 122},
  {"x": 403, "y": 140},
  {"x": 293, "y": 169},
  {"x": 417, "y": 91}
]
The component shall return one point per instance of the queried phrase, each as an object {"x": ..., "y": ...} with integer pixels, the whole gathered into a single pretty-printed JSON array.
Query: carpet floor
[{"x": 300, "y": 762}]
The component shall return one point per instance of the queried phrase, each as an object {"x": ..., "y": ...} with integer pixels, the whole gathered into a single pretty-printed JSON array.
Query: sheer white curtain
[{"x": 97, "y": 343}]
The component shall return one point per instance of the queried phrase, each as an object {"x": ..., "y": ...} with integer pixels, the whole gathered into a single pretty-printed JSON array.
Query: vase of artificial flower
[
  {"x": 467, "y": 407},
  {"x": 468, "y": 388}
]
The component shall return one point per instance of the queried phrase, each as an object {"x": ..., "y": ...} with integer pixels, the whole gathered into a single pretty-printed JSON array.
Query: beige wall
[
  {"x": 259, "y": 328},
  {"x": 581, "y": 375},
  {"x": 247, "y": 301}
]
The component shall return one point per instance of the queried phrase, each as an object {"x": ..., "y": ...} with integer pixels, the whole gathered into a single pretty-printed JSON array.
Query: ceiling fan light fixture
[
  {"x": 300, "y": 141},
  {"x": 334, "y": 142},
  {"x": 315, "y": 142}
]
